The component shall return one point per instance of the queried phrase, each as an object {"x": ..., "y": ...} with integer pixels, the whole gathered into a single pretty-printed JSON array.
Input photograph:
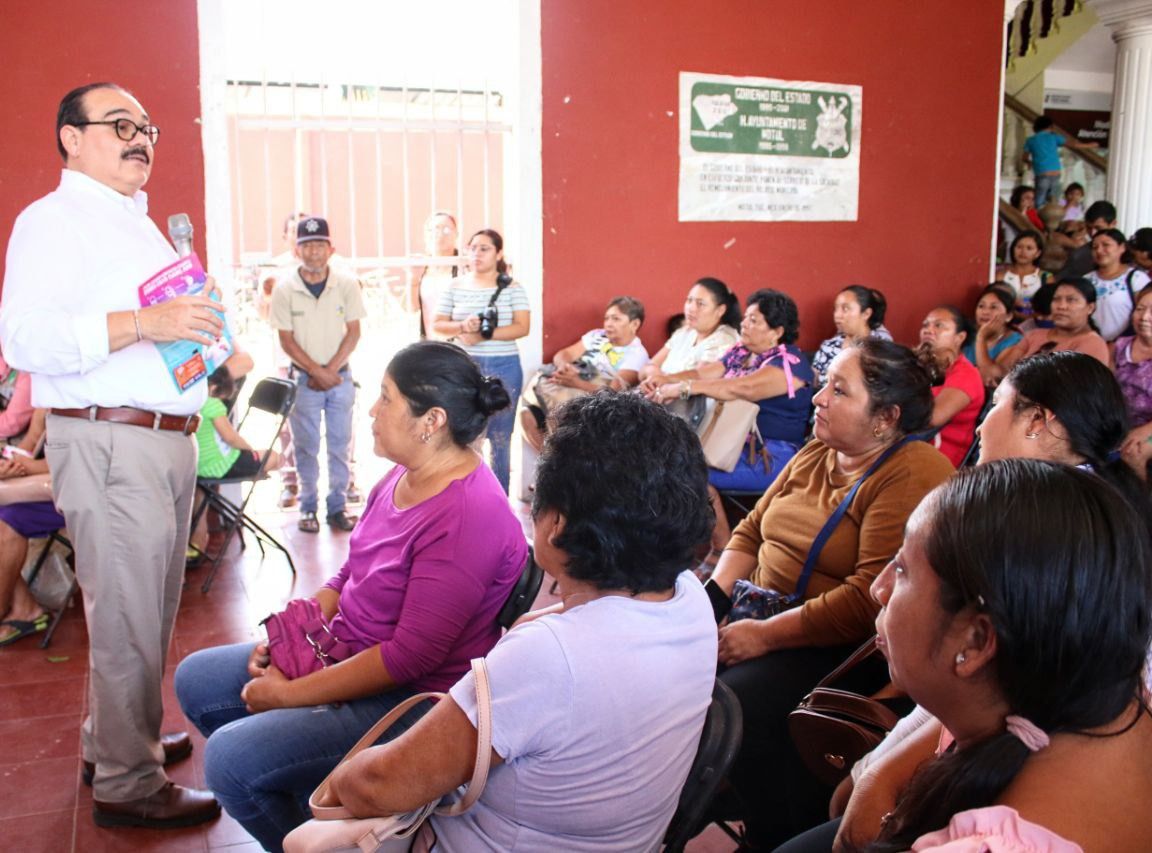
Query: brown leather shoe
[
  {"x": 171, "y": 807},
  {"x": 177, "y": 747}
]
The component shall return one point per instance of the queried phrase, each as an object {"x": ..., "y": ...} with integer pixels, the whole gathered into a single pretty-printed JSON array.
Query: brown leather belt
[{"x": 186, "y": 424}]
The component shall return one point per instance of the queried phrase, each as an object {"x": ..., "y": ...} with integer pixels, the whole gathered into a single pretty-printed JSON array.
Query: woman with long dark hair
[
  {"x": 1022, "y": 272},
  {"x": 711, "y": 318},
  {"x": 995, "y": 333},
  {"x": 1019, "y": 613},
  {"x": 1073, "y": 305},
  {"x": 429, "y": 566},
  {"x": 486, "y": 312},
  {"x": 958, "y": 390},
  {"x": 877, "y": 398},
  {"x": 1061, "y": 407},
  {"x": 858, "y": 313},
  {"x": 1116, "y": 281}
]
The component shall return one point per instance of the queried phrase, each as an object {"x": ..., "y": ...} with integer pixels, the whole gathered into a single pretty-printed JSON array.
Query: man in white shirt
[{"x": 119, "y": 430}]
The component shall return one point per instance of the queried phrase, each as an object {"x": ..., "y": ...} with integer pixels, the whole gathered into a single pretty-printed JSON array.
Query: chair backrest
[
  {"x": 523, "y": 593},
  {"x": 973, "y": 452},
  {"x": 273, "y": 395},
  {"x": 719, "y": 743}
]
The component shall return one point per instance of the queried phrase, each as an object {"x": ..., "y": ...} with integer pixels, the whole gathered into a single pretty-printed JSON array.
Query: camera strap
[{"x": 502, "y": 281}]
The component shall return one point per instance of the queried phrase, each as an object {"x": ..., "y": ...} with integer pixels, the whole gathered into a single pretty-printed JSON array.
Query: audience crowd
[{"x": 1012, "y": 601}]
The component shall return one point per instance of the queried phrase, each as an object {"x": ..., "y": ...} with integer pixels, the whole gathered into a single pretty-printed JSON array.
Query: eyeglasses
[{"x": 127, "y": 129}]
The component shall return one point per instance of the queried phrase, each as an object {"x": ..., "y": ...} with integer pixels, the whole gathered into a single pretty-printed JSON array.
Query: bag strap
[
  {"x": 483, "y": 743},
  {"x": 483, "y": 746},
  {"x": 834, "y": 519},
  {"x": 855, "y": 659}
]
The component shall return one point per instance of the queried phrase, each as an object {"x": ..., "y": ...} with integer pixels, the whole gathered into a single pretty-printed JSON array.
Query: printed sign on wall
[{"x": 754, "y": 148}]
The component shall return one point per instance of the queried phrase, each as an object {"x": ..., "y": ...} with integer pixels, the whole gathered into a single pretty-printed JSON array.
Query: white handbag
[
  {"x": 334, "y": 830},
  {"x": 726, "y": 434}
]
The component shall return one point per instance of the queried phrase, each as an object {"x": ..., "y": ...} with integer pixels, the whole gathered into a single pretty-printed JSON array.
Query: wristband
[
  {"x": 721, "y": 602},
  {"x": 136, "y": 321}
]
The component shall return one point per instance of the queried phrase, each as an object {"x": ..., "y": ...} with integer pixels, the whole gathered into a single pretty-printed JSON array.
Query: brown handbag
[{"x": 832, "y": 729}]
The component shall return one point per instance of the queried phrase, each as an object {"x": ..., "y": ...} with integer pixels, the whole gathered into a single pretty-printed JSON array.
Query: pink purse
[
  {"x": 334, "y": 830},
  {"x": 300, "y": 640}
]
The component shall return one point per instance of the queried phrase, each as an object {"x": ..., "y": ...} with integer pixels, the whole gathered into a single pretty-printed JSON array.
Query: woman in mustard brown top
[{"x": 877, "y": 394}]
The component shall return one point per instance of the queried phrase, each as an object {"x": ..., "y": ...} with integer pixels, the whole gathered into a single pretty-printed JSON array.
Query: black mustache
[{"x": 139, "y": 149}]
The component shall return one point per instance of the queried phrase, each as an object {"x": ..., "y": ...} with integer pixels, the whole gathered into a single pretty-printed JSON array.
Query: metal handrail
[{"x": 1029, "y": 114}]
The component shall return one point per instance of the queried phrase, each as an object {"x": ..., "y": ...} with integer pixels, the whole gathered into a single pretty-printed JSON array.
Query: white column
[{"x": 1130, "y": 155}]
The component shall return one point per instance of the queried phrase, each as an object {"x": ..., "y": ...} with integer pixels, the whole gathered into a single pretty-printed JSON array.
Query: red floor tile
[
  {"x": 37, "y": 787},
  {"x": 20, "y": 701},
  {"x": 40, "y": 738},
  {"x": 50, "y": 832},
  {"x": 94, "y": 839}
]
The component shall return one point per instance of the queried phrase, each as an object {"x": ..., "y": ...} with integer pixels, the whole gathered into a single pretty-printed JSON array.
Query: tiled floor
[{"x": 43, "y": 806}]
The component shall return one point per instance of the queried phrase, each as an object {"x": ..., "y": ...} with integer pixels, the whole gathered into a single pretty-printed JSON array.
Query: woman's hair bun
[{"x": 492, "y": 396}]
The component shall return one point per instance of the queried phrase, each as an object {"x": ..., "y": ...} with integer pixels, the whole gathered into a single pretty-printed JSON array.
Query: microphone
[{"x": 180, "y": 232}]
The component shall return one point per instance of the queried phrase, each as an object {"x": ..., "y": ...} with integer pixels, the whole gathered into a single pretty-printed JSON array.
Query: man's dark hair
[
  {"x": 631, "y": 482},
  {"x": 1105, "y": 210},
  {"x": 71, "y": 109},
  {"x": 1041, "y": 123}
]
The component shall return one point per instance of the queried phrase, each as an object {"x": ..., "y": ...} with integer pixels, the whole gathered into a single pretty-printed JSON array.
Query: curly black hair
[
  {"x": 778, "y": 310},
  {"x": 631, "y": 482}
]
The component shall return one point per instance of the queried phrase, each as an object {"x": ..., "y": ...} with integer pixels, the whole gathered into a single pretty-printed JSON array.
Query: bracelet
[
  {"x": 686, "y": 389},
  {"x": 136, "y": 320}
]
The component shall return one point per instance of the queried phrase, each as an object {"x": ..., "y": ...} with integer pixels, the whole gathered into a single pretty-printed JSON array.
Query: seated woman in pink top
[
  {"x": 959, "y": 393},
  {"x": 15, "y": 401},
  {"x": 1073, "y": 304},
  {"x": 1017, "y": 612},
  {"x": 430, "y": 563}
]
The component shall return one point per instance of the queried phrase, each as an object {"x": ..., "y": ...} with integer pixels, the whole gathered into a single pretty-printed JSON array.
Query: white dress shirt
[{"x": 76, "y": 255}]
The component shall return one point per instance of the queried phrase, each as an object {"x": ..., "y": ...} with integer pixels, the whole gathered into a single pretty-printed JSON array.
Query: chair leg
[{"x": 59, "y": 614}]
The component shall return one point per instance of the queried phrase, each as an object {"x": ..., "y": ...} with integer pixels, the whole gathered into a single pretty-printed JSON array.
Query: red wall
[
  {"x": 930, "y": 77},
  {"x": 148, "y": 47}
]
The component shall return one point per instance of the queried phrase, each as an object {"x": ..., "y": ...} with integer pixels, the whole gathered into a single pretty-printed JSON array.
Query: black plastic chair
[
  {"x": 523, "y": 593},
  {"x": 973, "y": 452},
  {"x": 276, "y": 397},
  {"x": 719, "y": 743}
]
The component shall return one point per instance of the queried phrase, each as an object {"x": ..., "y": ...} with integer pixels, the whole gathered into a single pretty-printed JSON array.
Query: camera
[
  {"x": 489, "y": 317},
  {"x": 489, "y": 320}
]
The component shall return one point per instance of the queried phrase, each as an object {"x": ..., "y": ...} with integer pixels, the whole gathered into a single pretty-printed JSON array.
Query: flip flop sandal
[
  {"x": 308, "y": 523},
  {"x": 23, "y": 628}
]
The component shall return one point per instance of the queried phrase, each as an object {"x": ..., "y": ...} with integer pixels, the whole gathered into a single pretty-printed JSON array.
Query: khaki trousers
[{"x": 126, "y": 494}]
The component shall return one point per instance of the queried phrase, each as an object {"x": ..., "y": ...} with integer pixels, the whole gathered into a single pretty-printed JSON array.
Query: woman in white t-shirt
[
  {"x": 485, "y": 312},
  {"x": 614, "y": 353},
  {"x": 711, "y": 319},
  {"x": 597, "y": 702},
  {"x": 1116, "y": 283}
]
